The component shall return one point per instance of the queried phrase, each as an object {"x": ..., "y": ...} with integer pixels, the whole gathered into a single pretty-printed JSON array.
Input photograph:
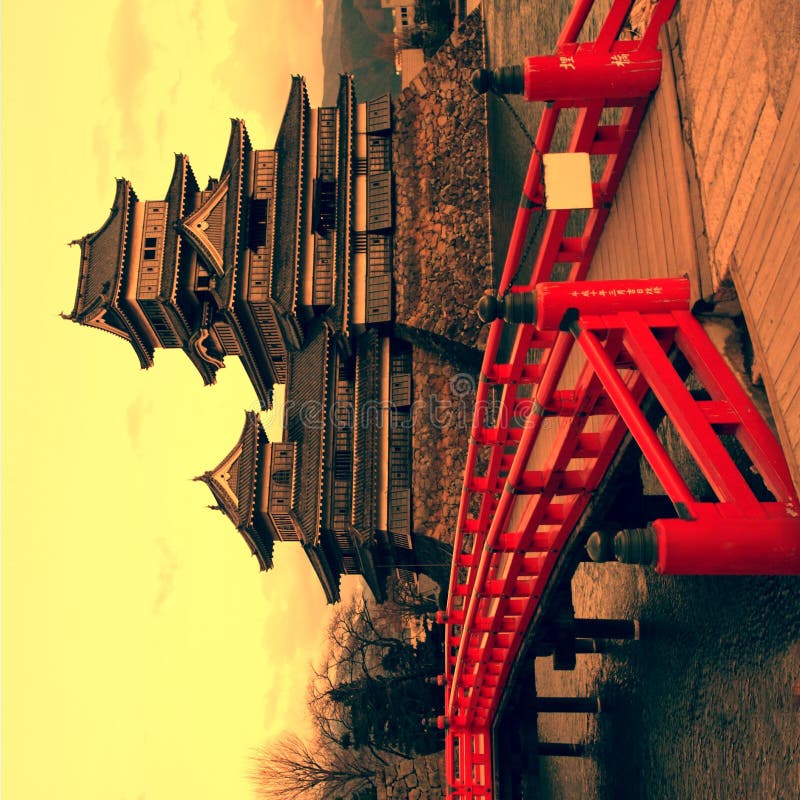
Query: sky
[{"x": 144, "y": 654}]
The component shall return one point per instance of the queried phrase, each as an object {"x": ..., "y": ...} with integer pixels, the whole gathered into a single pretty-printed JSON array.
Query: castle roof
[
  {"x": 101, "y": 275},
  {"x": 291, "y": 148},
  {"x": 233, "y": 483},
  {"x": 233, "y": 170},
  {"x": 346, "y": 103},
  {"x": 366, "y": 433},
  {"x": 328, "y": 578},
  {"x": 306, "y": 420},
  {"x": 213, "y": 229},
  {"x": 182, "y": 187}
]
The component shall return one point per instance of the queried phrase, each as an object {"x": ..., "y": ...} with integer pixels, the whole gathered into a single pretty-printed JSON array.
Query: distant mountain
[{"x": 357, "y": 38}]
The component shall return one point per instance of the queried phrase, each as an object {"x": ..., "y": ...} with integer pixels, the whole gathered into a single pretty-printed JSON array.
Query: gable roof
[
  {"x": 233, "y": 483},
  {"x": 102, "y": 273},
  {"x": 291, "y": 149}
]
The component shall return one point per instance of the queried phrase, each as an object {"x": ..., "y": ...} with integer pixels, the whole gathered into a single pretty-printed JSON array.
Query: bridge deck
[
  {"x": 712, "y": 189},
  {"x": 675, "y": 213}
]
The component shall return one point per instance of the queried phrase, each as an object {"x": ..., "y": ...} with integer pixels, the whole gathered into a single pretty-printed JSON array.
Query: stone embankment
[
  {"x": 444, "y": 398},
  {"x": 442, "y": 264},
  {"x": 442, "y": 258},
  {"x": 419, "y": 779}
]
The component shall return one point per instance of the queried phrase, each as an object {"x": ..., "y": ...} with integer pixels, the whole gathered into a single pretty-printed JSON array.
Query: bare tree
[
  {"x": 290, "y": 769},
  {"x": 375, "y": 688}
]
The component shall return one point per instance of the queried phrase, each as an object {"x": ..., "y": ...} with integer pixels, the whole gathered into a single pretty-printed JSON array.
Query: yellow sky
[{"x": 143, "y": 653}]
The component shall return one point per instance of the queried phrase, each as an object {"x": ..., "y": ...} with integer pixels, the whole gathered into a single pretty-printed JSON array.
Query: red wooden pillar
[
  {"x": 579, "y": 72},
  {"x": 546, "y": 306},
  {"x": 714, "y": 545}
]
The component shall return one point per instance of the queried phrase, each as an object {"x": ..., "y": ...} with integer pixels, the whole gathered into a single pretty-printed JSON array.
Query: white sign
[{"x": 567, "y": 180}]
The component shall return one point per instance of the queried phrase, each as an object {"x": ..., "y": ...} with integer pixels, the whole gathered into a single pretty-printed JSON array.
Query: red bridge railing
[{"x": 550, "y": 418}]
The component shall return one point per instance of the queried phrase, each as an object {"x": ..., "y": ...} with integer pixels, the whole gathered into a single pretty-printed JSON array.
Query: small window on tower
[
  {"x": 149, "y": 253},
  {"x": 259, "y": 210},
  {"x": 282, "y": 477},
  {"x": 150, "y": 241}
]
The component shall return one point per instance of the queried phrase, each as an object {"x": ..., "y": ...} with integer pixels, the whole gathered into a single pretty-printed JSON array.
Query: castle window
[
  {"x": 258, "y": 223},
  {"x": 342, "y": 465},
  {"x": 149, "y": 253},
  {"x": 282, "y": 477},
  {"x": 323, "y": 215}
]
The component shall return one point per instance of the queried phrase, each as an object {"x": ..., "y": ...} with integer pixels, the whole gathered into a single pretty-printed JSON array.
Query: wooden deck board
[
  {"x": 777, "y": 316},
  {"x": 740, "y": 144},
  {"x": 669, "y": 195},
  {"x": 649, "y": 230},
  {"x": 728, "y": 149},
  {"x": 788, "y": 386},
  {"x": 741, "y": 200},
  {"x": 698, "y": 51},
  {"x": 726, "y": 54},
  {"x": 780, "y": 238},
  {"x": 767, "y": 197}
]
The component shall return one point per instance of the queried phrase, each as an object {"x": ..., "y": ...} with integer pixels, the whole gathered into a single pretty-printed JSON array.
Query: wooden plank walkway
[{"x": 712, "y": 189}]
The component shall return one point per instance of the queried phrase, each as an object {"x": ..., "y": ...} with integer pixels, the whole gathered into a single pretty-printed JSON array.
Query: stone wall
[
  {"x": 444, "y": 398},
  {"x": 442, "y": 256},
  {"x": 419, "y": 779},
  {"x": 442, "y": 265}
]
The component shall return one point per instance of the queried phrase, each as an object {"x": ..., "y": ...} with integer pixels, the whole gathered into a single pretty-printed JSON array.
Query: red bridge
[{"x": 584, "y": 361}]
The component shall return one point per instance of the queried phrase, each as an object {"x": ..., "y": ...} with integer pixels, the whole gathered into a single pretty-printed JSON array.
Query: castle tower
[{"x": 285, "y": 261}]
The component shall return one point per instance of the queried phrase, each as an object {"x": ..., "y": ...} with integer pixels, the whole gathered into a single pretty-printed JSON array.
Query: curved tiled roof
[
  {"x": 233, "y": 483},
  {"x": 291, "y": 148},
  {"x": 238, "y": 148},
  {"x": 366, "y": 433},
  {"x": 306, "y": 416},
  {"x": 102, "y": 254},
  {"x": 102, "y": 273},
  {"x": 346, "y": 103},
  {"x": 203, "y": 227},
  {"x": 328, "y": 578},
  {"x": 182, "y": 187}
]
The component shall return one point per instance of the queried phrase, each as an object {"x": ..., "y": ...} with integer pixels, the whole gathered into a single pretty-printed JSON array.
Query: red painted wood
[{"x": 504, "y": 557}]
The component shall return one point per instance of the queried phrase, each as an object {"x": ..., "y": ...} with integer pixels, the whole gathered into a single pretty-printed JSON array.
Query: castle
[{"x": 284, "y": 261}]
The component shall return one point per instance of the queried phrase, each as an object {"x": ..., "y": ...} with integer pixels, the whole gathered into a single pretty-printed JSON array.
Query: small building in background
[{"x": 411, "y": 61}]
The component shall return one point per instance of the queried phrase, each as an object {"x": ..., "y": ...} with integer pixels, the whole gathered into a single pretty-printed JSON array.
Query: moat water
[{"x": 705, "y": 705}]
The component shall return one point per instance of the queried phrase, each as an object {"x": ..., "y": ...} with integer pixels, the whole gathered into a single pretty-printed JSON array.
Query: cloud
[
  {"x": 101, "y": 158},
  {"x": 168, "y": 567},
  {"x": 285, "y": 40},
  {"x": 138, "y": 410},
  {"x": 129, "y": 59}
]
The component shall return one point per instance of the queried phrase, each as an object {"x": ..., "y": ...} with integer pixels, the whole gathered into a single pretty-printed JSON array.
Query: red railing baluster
[{"x": 516, "y": 517}]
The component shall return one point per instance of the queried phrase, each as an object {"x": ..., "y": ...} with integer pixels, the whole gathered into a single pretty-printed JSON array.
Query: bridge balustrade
[{"x": 550, "y": 417}]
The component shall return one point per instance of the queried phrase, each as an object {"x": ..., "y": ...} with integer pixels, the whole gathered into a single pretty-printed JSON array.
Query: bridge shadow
[{"x": 703, "y": 706}]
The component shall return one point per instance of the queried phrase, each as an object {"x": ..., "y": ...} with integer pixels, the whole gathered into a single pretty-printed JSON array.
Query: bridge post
[
  {"x": 577, "y": 73},
  {"x": 720, "y": 546},
  {"x": 567, "y": 705},
  {"x": 608, "y": 628},
  {"x": 582, "y": 646},
  {"x": 561, "y": 749},
  {"x": 547, "y": 304}
]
